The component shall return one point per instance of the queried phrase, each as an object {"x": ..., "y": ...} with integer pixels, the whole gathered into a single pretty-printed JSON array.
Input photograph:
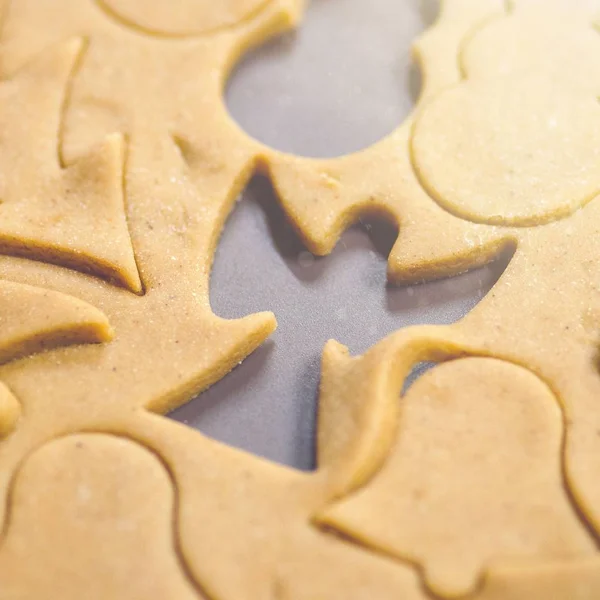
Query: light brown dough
[
  {"x": 173, "y": 245},
  {"x": 34, "y": 319},
  {"x": 323, "y": 197},
  {"x": 129, "y": 81},
  {"x": 107, "y": 382},
  {"x": 498, "y": 163},
  {"x": 505, "y": 45},
  {"x": 569, "y": 580},
  {"x": 91, "y": 518},
  {"x": 241, "y": 510},
  {"x": 475, "y": 475},
  {"x": 10, "y": 411},
  {"x": 136, "y": 119},
  {"x": 47, "y": 212},
  {"x": 181, "y": 18}
]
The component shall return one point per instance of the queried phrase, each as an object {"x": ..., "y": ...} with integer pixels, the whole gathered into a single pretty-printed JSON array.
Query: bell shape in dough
[
  {"x": 92, "y": 517},
  {"x": 475, "y": 477}
]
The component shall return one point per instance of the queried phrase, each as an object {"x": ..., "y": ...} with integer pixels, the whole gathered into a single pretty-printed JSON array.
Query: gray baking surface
[{"x": 339, "y": 84}]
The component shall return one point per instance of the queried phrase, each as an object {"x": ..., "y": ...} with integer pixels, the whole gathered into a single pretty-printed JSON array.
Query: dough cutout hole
[
  {"x": 260, "y": 265},
  {"x": 293, "y": 97},
  {"x": 417, "y": 371}
]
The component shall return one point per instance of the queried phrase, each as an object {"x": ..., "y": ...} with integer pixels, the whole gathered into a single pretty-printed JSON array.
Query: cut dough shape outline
[
  {"x": 130, "y": 22},
  {"x": 35, "y": 320},
  {"x": 476, "y": 72},
  {"x": 176, "y": 297},
  {"x": 98, "y": 445},
  {"x": 57, "y": 235},
  {"x": 441, "y": 578}
]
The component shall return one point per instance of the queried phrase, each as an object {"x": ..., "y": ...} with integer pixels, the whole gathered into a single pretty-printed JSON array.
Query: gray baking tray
[{"x": 341, "y": 83}]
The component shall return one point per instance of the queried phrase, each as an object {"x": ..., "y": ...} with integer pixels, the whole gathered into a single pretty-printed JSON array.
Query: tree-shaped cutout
[
  {"x": 54, "y": 214},
  {"x": 248, "y": 520},
  {"x": 168, "y": 345},
  {"x": 261, "y": 264},
  {"x": 49, "y": 212}
]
